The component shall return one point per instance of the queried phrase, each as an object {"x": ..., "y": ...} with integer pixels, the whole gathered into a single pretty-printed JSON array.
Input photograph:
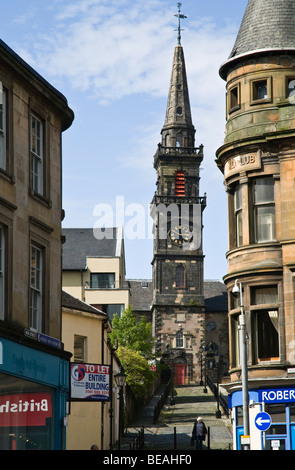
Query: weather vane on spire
[{"x": 179, "y": 16}]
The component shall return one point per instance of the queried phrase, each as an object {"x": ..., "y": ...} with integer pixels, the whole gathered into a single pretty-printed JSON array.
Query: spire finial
[{"x": 179, "y": 16}]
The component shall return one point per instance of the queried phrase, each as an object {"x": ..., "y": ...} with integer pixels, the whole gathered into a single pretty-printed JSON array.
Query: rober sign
[{"x": 283, "y": 395}]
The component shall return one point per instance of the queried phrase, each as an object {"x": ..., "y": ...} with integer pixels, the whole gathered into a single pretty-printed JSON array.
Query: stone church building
[{"x": 191, "y": 338}]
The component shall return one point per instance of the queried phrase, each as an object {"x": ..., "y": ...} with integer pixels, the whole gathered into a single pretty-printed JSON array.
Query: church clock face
[{"x": 180, "y": 234}]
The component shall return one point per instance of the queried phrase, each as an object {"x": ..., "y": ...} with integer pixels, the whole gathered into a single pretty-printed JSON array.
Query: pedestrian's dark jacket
[{"x": 200, "y": 429}]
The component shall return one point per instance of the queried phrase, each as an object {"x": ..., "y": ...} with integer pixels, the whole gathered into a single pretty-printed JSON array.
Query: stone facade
[
  {"x": 33, "y": 115},
  {"x": 258, "y": 164},
  {"x": 182, "y": 329}
]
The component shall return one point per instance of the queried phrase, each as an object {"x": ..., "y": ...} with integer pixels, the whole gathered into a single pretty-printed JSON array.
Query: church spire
[{"x": 178, "y": 129}]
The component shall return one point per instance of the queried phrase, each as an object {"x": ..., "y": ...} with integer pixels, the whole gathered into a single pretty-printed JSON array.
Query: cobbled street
[{"x": 174, "y": 427}]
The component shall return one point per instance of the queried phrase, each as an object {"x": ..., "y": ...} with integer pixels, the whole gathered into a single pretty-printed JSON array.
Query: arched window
[
  {"x": 179, "y": 339},
  {"x": 179, "y": 140},
  {"x": 179, "y": 184},
  {"x": 180, "y": 276}
]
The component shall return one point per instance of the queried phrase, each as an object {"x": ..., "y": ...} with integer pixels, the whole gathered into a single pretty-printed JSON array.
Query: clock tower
[{"x": 178, "y": 298}]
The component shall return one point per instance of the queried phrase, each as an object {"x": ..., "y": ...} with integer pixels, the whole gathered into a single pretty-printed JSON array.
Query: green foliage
[
  {"x": 140, "y": 375},
  {"x": 135, "y": 346},
  {"x": 131, "y": 333}
]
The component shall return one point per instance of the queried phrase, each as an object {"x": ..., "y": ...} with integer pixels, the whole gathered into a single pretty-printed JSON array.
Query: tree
[
  {"x": 140, "y": 375},
  {"x": 133, "y": 334},
  {"x": 135, "y": 346}
]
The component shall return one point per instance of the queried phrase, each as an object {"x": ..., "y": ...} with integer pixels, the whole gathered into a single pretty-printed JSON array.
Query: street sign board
[
  {"x": 90, "y": 382},
  {"x": 262, "y": 421}
]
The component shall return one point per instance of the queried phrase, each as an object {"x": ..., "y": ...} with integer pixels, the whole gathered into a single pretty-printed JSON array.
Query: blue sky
[{"x": 112, "y": 60}]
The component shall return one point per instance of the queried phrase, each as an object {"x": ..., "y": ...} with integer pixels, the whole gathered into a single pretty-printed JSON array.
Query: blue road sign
[{"x": 262, "y": 421}]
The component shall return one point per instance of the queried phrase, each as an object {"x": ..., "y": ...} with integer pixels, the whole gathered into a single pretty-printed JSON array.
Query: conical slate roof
[
  {"x": 267, "y": 25},
  {"x": 178, "y": 112}
]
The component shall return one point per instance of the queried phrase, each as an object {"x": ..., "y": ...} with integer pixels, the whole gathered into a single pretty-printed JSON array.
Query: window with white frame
[
  {"x": 238, "y": 216},
  {"x": 37, "y": 162},
  {"x": 36, "y": 280},
  {"x": 2, "y": 127},
  {"x": 2, "y": 272},
  {"x": 264, "y": 210},
  {"x": 265, "y": 323},
  {"x": 179, "y": 339}
]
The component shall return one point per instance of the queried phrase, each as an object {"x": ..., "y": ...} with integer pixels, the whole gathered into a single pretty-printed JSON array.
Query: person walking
[{"x": 199, "y": 433}]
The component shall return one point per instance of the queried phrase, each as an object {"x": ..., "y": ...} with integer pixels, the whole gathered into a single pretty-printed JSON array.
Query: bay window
[
  {"x": 238, "y": 216},
  {"x": 265, "y": 323},
  {"x": 264, "y": 210}
]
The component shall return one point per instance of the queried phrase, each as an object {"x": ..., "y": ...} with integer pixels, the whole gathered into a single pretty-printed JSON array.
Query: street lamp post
[
  {"x": 218, "y": 412},
  {"x": 120, "y": 379},
  {"x": 243, "y": 351}
]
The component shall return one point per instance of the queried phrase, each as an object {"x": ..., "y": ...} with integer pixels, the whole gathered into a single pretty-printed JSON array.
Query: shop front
[
  {"x": 34, "y": 387},
  {"x": 271, "y": 418}
]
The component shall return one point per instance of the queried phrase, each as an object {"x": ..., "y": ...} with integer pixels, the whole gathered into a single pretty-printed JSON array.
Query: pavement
[{"x": 174, "y": 427}]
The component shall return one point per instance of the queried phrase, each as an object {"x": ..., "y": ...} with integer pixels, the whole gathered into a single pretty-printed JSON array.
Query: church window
[
  {"x": 179, "y": 339},
  {"x": 179, "y": 140},
  {"x": 179, "y": 184},
  {"x": 179, "y": 111},
  {"x": 180, "y": 276}
]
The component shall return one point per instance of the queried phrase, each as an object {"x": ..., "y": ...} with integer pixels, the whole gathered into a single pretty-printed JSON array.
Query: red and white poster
[
  {"x": 90, "y": 382},
  {"x": 25, "y": 409}
]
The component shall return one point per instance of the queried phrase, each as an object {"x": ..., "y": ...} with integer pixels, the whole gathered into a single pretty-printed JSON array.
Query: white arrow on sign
[{"x": 260, "y": 421}]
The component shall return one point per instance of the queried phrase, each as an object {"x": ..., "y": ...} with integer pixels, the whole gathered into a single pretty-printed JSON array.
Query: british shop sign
[
  {"x": 25, "y": 409},
  {"x": 90, "y": 382}
]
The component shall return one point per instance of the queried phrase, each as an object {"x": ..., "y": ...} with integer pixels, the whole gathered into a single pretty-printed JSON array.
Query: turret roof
[{"x": 267, "y": 25}]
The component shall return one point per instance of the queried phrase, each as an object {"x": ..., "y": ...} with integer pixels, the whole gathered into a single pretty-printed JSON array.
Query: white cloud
[{"x": 115, "y": 48}]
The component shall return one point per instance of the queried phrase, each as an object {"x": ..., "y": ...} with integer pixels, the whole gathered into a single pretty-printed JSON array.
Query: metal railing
[
  {"x": 158, "y": 407},
  {"x": 218, "y": 396},
  {"x": 138, "y": 442}
]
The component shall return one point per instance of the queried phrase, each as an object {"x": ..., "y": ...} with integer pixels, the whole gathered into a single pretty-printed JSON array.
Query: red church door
[{"x": 179, "y": 374}]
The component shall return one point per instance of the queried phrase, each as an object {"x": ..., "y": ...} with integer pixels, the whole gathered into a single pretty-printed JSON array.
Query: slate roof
[
  {"x": 81, "y": 243},
  {"x": 141, "y": 294},
  {"x": 214, "y": 292},
  {"x": 267, "y": 25},
  {"x": 68, "y": 301}
]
